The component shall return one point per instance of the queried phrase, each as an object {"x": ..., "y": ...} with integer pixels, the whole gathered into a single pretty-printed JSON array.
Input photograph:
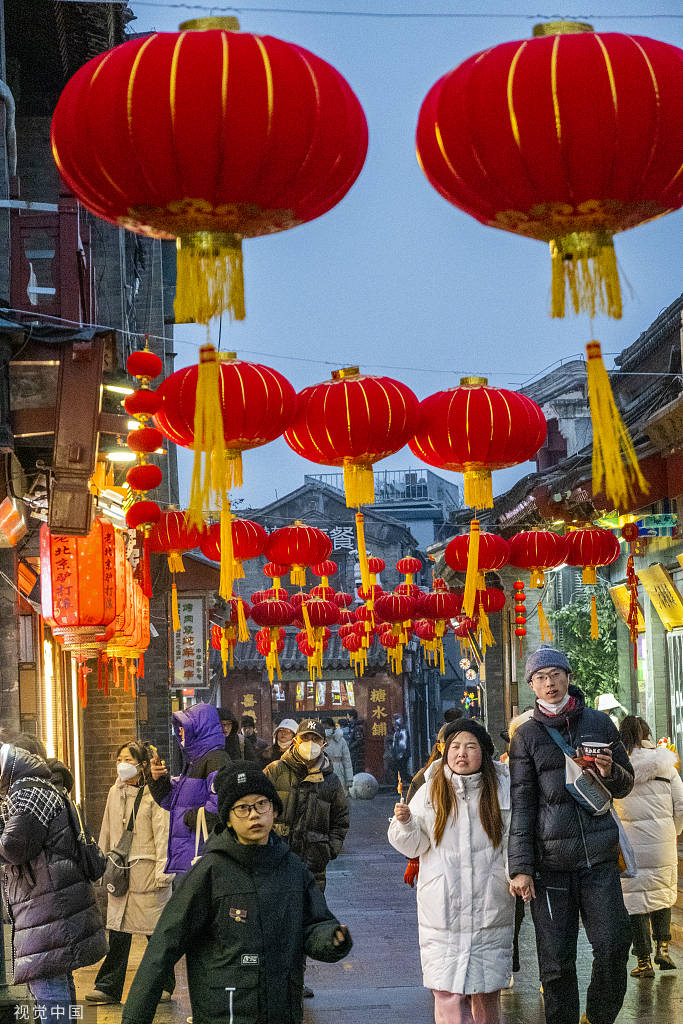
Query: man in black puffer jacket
[
  {"x": 562, "y": 857},
  {"x": 56, "y": 925}
]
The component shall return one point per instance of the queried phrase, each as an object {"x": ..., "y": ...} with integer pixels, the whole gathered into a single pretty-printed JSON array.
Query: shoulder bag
[
  {"x": 582, "y": 784},
  {"x": 117, "y": 872},
  {"x": 201, "y": 831}
]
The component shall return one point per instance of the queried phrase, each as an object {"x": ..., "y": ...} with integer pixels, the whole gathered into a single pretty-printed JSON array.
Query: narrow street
[{"x": 380, "y": 981}]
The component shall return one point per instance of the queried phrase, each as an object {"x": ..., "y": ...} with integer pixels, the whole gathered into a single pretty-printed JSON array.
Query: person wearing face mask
[
  {"x": 283, "y": 737},
  {"x": 338, "y": 752},
  {"x": 457, "y": 824},
  {"x": 149, "y": 887}
]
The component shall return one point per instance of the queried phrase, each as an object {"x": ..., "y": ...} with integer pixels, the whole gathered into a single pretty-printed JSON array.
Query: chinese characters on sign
[
  {"x": 342, "y": 538},
  {"x": 189, "y": 646},
  {"x": 378, "y": 712}
]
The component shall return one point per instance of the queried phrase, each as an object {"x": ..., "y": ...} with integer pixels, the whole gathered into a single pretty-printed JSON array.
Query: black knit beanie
[
  {"x": 239, "y": 779},
  {"x": 469, "y": 725}
]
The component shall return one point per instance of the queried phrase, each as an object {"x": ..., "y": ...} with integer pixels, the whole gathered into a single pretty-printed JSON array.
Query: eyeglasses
[
  {"x": 542, "y": 677},
  {"x": 244, "y": 810}
]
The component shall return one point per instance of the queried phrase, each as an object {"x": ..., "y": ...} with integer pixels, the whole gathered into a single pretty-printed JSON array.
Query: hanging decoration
[
  {"x": 171, "y": 535},
  {"x": 567, "y": 138},
  {"x": 475, "y": 554},
  {"x": 142, "y": 514},
  {"x": 272, "y": 614},
  {"x": 474, "y": 429},
  {"x": 248, "y": 541},
  {"x": 208, "y": 136},
  {"x": 396, "y": 609},
  {"x": 537, "y": 551},
  {"x": 297, "y": 546},
  {"x": 633, "y": 609},
  {"x": 352, "y": 421},
  {"x": 437, "y": 607},
  {"x": 630, "y": 533},
  {"x": 591, "y": 548},
  {"x": 520, "y": 612},
  {"x": 470, "y": 697}
]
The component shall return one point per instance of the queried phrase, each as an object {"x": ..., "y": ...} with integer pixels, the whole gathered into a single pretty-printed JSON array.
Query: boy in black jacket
[{"x": 245, "y": 916}]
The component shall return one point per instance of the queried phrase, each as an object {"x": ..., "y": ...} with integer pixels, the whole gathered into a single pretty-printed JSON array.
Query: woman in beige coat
[{"x": 149, "y": 889}]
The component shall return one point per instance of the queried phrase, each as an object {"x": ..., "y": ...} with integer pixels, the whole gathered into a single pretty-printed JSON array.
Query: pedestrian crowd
[{"x": 226, "y": 862}]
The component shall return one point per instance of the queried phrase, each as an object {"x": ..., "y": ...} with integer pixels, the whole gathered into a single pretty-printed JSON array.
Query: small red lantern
[
  {"x": 298, "y": 545},
  {"x": 208, "y": 136},
  {"x": 474, "y": 429},
  {"x": 520, "y": 612}
]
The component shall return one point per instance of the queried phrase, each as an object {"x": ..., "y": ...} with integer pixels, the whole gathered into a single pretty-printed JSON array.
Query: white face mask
[
  {"x": 309, "y": 750},
  {"x": 329, "y": 732},
  {"x": 126, "y": 771}
]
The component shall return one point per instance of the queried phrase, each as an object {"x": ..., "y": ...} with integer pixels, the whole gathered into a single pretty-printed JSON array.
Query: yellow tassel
[
  {"x": 298, "y": 576},
  {"x": 478, "y": 488},
  {"x": 227, "y": 559},
  {"x": 485, "y": 634},
  {"x": 225, "y": 650},
  {"x": 544, "y": 625},
  {"x": 310, "y": 636},
  {"x": 614, "y": 457},
  {"x": 359, "y": 485},
  {"x": 233, "y": 469},
  {"x": 242, "y": 629},
  {"x": 584, "y": 264},
  {"x": 175, "y": 617},
  {"x": 210, "y": 277},
  {"x": 536, "y": 578},
  {"x": 209, "y": 441},
  {"x": 362, "y": 552},
  {"x": 175, "y": 562},
  {"x": 589, "y": 576},
  {"x": 442, "y": 663},
  {"x": 595, "y": 629},
  {"x": 472, "y": 574},
  {"x": 238, "y": 569}
]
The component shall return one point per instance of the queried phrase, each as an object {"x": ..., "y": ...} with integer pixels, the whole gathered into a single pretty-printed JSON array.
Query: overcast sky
[{"x": 394, "y": 278}]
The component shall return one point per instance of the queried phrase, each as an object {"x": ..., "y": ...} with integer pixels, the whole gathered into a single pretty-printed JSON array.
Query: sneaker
[
  {"x": 100, "y": 997},
  {"x": 308, "y": 992},
  {"x": 663, "y": 957},
  {"x": 644, "y": 968}
]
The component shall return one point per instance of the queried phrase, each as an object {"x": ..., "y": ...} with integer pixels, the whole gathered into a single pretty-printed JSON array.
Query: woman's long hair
[
  {"x": 633, "y": 731},
  {"x": 445, "y": 801}
]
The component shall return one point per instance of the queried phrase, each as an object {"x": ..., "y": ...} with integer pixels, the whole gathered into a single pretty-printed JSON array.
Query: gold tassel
[
  {"x": 536, "y": 578},
  {"x": 209, "y": 441},
  {"x": 472, "y": 575},
  {"x": 359, "y": 485},
  {"x": 589, "y": 576},
  {"x": 233, "y": 469},
  {"x": 362, "y": 552},
  {"x": 298, "y": 576},
  {"x": 210, "y": 277},
  {"x": 595, "y": 629},
  {"x": 227, "y": 559},
  {"x": 242, "y": 629},
  {"x": 310, "y": 636},
  {"x": 485, "y": 634},
  {"x": 225, "y": 649},
  {"x": 478, "y": 488},
  {"x": 175, "y": 562},
  {"x": 175, "y": 617},
  {"x": 544, "y": 625},
  {"x": 614, "y": 457},
  {"x": 585, "y": 265}
]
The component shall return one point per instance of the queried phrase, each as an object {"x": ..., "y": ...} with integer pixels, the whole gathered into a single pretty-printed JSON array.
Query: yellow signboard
[
  {"x": 621, "y": 599},
  {"x": 664, "y": 595}
]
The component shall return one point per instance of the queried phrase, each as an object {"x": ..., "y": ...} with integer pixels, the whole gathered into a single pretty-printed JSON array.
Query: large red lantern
[
  {"x": 208, "y": 136},
  {"x": 298, "y": 545},
  {"x": 537, "y": 550},
  {"x": 248, "y": 541},
  {"x": 568, "y": 138},
  {"x": 493, "y": 553},
  {"x": 591, "y": 548},
  {"x": 172, "y": 534},
  {"x": 473, "y": 429}
]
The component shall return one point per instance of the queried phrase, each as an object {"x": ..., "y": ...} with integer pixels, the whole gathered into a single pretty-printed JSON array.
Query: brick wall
[{"x": 108, "y": 721}]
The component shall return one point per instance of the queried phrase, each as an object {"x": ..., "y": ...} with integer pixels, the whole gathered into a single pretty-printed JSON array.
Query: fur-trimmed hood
[{"x": 650, "y": 762}]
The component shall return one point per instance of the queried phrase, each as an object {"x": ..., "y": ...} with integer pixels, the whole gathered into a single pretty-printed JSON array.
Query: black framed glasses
[{"x": 244, "y": 810}]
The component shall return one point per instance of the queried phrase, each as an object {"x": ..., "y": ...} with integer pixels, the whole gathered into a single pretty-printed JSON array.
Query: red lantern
[
  {"x": 494, "y": 552},
  {"x": 211, "y": 136},
  {"x": 353, "y": 421},
  {"x": 272, "y": 612},
  {"x": 298, "y": 545},
  {"x": 537, "y": 550},
  {"x": 248, "y": 541},
  {"x": 567, "y": 138},
  {"x": 324, "y": 570},
  {"x": 143, "y": 403},
  {"x": 474, "y": 429},
  {"x": 144, "y": 477},
  {"x": 172, "y": 535},
  {"x": 590, "y": 548},
  {"x": 491, "y": 599},
  {"x": 142, "y": 513},
  {"x": 146, "y": 366},
  {"x": 343, "y": 599}
]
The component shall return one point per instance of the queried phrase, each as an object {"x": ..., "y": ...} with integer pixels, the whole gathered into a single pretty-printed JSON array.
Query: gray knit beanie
[{"x": 545, "y": 657}]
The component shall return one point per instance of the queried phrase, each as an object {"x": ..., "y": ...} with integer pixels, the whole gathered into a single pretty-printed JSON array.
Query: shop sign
[
  {"x": 664, "y": 595},
  {"x": 189, "y": 646}
]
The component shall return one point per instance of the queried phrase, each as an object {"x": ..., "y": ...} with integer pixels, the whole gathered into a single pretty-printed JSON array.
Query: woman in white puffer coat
[
  {"x": 652, "y": 815},
  {"x": 457, "y": 824}
]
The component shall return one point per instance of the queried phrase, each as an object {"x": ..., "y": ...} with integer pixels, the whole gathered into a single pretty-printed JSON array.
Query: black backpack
[{"x": 90, "y": 857}]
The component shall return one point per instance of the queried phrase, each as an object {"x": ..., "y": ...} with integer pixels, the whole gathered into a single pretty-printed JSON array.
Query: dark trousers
[
  {"x": 595, "y": 895},
  {"x": 640, "y": 930},
  {"x": 112, "y": 974}
]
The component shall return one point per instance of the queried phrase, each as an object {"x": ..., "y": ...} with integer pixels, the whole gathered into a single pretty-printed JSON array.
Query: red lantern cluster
[{"x": 520, "y": 612}]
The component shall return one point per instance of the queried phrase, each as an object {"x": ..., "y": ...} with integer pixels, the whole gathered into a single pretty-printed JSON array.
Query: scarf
[{"x": 556, "y": 710}]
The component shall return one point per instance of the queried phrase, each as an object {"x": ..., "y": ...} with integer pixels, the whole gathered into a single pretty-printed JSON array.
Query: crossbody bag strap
[
  {"x": 559, "y": 739},
  {"x": 134, "y": 813}
]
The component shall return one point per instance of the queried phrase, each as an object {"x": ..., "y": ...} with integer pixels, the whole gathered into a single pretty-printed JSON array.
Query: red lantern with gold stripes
[
  {"x": 537, "y": 550},
  {"x": 209, "y": 136},
  {"x": 568, "y": 138},
  {"x": 591, "y": 548},
  {"x": 298, "y": 545},
  {"x": 474, "y": 429}
]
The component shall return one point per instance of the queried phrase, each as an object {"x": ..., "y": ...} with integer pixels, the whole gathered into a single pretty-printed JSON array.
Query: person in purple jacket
[{"x": 199, "y": 733}]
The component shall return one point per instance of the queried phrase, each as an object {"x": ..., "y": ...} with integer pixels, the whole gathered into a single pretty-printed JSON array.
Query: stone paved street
[{"x": 380, "y": 981}]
